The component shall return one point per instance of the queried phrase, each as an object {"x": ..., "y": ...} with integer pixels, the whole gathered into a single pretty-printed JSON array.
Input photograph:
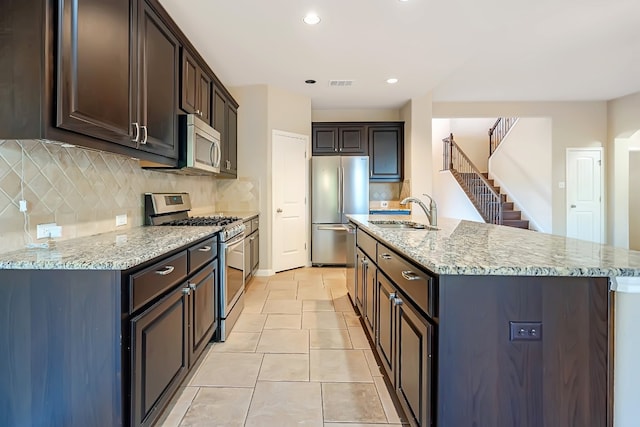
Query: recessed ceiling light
[
  {"x": 310, "y": 81},
  {"x": 311, "y": 18},
  {"x": 392, "y": 80}
]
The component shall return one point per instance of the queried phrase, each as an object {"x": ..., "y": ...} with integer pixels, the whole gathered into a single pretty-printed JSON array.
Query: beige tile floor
[{"x": 297, "y": 357}]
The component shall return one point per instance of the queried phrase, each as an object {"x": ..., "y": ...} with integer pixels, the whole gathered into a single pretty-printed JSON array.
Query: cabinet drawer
[
  {"x": 411, "y": 280},
  {"x": 155, "y": 280},
  {"x": 255, "y": 224},
  {"x": 366, "y": 243},
  {"x": 202, "y": 253}
]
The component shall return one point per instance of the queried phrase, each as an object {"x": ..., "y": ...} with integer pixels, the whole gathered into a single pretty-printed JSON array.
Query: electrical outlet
[
  {"x": 23, "y": 205},
  {"x": 121, "y": 220},
  {"x": 384, "y": 204},
  {"x": 48, "y": 230},
  {"x": 525, "y": 331}
]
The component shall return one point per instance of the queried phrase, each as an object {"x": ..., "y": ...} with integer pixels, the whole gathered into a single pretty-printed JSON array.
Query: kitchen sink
[{"x": 402, "y": 225}]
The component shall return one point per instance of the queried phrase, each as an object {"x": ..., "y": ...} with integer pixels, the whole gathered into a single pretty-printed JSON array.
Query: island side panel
[
  {"x": 60, "y": 354},
  {"x": 487, "y": 379}
]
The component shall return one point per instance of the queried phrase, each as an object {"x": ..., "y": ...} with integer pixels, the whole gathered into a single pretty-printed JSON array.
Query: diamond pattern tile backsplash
[{"x": 83, "y": 190}]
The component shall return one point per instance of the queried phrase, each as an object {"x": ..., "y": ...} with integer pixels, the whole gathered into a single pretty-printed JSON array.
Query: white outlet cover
[
  {"x": 48, "y": 230},
  {"x": 384, "y": 204},
  {"x": 121, "y": 220}
]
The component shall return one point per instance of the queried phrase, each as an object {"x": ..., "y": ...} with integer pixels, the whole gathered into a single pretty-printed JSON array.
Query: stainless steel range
[{"x": 172, "y": 209}]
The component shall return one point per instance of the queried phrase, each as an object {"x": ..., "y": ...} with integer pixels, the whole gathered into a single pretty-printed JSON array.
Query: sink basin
[{"x": 402, "y": 225}]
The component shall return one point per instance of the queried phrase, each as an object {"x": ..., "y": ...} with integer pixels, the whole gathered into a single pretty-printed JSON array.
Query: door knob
[
  {"x": 279, "y": 210},
  {"x": 573, "y": 206}
]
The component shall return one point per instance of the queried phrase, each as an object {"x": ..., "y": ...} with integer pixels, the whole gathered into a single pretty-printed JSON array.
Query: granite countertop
[
  {"x": 117, "y": 250},
  {"x": 471, "y": 248}
]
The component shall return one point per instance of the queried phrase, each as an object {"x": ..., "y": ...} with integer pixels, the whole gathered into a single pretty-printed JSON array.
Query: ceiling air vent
[{"x": 339, "y": 83}]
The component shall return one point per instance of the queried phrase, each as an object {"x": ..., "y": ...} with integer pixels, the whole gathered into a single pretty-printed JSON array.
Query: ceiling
[{"x": 457, "y": 50}]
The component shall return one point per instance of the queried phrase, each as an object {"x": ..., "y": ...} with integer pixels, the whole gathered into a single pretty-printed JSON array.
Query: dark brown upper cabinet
[
  {"x": 103, "y": 75},
  {"x": 383, "y": 142},
  {"x": 96, "y": 85},
  {"x": 195, "y": 88},
  {"x": 157, "y": 85},
  {"x": 225, "y": 121},
  {"x": 336, "y": 139},
  {"x": 386, "y": 152}
]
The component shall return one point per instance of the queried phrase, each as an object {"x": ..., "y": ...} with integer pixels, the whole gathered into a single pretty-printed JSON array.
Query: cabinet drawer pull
[
  {"x": 410, "y": 275},
  {"x": 392, "y": 296},
  {"x": 167, "y": 270},
  {"x": 251, "y": 239},
  {"x": 205, "y": 249},
  {"x": 385, "y": 256}
]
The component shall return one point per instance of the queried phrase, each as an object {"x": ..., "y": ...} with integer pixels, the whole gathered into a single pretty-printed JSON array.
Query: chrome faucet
[{"x": 431, "y": 211}]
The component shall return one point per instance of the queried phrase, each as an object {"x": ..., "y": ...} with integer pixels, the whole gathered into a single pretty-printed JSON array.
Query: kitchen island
[{"x": 477, "y": 324}]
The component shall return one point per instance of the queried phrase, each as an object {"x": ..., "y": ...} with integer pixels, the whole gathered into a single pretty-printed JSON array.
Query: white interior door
[
  {"x": 289, "y": 181},
  {"x": 584, "y": 194}
]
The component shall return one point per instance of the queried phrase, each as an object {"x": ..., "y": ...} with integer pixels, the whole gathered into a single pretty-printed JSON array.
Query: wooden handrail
[{"x": 485, "y": 198}]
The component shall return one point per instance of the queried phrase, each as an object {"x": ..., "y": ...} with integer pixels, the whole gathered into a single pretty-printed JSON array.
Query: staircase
[{"x": 485, "y": 196}]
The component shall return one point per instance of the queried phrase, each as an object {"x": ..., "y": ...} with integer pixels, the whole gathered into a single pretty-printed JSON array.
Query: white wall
[
  {"x": 418, "y": 157},
  {"x": 634, "y": 200},
  {"x": 472, "y": 136},
  {"x": 522, "y": 167},
  {"x": 356, "y": 115},
  {"x": 623, "y": 121},
  {"x": 574, "y": 124},
  {"x": 263, "y": 108}
]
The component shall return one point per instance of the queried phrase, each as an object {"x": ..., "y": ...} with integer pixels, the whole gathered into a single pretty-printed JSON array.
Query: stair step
[
  {"x": 518, "y": 223},
  {"x": 508, "y": 214},
  {"x": 507, "y": 206}
]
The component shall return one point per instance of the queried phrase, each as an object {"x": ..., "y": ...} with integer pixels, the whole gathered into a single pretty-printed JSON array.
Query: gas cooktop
[{"x": 172, "y": 209}]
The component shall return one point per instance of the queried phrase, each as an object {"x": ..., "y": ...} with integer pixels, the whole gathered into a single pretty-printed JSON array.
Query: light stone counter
[
  {"x": 470, "y": 248},
  {"x": 118, "y": 250}
]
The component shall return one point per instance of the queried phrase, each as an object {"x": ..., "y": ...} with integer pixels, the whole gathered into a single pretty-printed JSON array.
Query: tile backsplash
[
  {"x": 83, "y": 190},
  {"x": 389, "y": 191}
]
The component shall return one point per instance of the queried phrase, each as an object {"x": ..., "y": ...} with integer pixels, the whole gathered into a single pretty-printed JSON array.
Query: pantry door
[
  {"x": 584, "y": 194},
  {"x": 289, "y": 200}
]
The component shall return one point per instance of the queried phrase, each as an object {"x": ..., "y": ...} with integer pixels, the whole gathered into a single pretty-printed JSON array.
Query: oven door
[
  {"x": 233, "y": 272},
  {"x": 203, "y": 146}
]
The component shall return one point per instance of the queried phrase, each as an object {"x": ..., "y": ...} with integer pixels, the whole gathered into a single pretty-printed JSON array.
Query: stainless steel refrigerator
[{"x": 339, "y": 186}]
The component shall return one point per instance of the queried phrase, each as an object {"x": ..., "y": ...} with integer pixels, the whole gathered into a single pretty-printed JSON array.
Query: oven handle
[{"x": 234, "y": 242}]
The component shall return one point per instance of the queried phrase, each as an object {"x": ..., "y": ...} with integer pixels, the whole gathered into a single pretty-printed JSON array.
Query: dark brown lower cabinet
[
  {"x": 386, "y": 322},
  {"x": 404, "y": 345},
  {"x": 369, "y": 281},
  {"x": 202, "y": 313},
  {"x": 413, "y": 380},
  {"x": 159, "y": 355}
]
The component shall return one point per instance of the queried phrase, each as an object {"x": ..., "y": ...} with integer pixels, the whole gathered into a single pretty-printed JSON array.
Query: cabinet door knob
[
  {"x": 186, "y": 291},
  {"x": 392, "y": 296},
  {"x": 192, "y": 286},
  {"x": 279, "y": 210},
  {"x": 397, "y": 301}
]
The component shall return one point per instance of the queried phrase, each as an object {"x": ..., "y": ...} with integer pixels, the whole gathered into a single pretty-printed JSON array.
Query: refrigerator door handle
[
  {"x": 342, "y": 190},
  {"x": 339, "y": 192},
  {"x": 332, "y": 228}
]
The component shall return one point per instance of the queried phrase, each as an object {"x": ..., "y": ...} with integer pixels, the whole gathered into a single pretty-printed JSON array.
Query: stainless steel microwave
[
  {"x": 198, "y": 149},
  {"x": 199, "y": 145}
]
